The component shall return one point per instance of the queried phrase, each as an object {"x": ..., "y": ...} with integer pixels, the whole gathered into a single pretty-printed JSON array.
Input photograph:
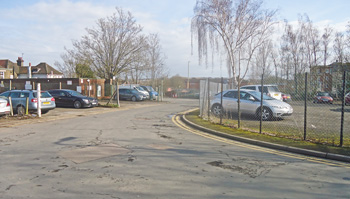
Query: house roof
[
  {"x": 7, "y": 64},
  {"x": 42, "y": 68}
]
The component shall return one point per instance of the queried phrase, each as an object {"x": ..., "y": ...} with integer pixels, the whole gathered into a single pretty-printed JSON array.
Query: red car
[
  {"x": 347, "y": 99},
  {"x": 323, "y": 97}
]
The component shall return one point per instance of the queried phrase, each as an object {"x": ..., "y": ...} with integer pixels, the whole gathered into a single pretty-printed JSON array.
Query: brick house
[
  {"x": 10, "y": 70},
  {"x": 328, "y": 78}
]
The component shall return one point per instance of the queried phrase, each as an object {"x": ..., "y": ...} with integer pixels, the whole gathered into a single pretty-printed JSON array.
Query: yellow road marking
[{"x": 180, "y": 124}]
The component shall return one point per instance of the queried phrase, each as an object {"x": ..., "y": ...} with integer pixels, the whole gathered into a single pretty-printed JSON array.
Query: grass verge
[{"x": 193, "y": 117}]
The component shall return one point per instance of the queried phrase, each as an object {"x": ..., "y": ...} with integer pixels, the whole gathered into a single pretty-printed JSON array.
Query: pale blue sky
[{"x": 40, "y": 29}]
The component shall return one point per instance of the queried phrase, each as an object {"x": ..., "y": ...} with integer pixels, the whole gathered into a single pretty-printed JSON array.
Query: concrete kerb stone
[{"x": 301, "y": 151}]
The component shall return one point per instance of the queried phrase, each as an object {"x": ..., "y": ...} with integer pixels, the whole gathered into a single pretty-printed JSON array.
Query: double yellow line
[{"x": 176, "y": 120}]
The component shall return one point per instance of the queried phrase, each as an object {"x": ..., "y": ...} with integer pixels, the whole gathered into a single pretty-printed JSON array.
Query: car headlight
[{"x": 86, "y": 101}]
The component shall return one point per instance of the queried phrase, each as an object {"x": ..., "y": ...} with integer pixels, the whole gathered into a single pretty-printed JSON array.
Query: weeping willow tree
[
  {"x": 236, "y": 28},
  {"x": 230, "y": 24}
]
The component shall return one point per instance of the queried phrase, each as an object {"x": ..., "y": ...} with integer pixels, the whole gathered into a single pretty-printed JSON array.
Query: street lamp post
[{"x": 188, "y": 77}]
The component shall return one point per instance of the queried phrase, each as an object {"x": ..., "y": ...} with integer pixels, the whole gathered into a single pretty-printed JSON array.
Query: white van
[
  {"x": 136, "y": 87},
  {"x": 269, "y": 89}
]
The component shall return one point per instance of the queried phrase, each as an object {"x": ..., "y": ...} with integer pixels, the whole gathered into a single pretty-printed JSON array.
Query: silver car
[
  {"x": 19, "y": 100},
  {"x": 250, "y": 104}
]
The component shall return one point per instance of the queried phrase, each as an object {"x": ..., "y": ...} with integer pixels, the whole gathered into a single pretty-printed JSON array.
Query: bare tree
[
  {"x": 312, "y": 42},
  {"x": 69, "y": 64},
  {"x": 339, "y": 47},
  {"x": 74, "y": 65},
  {"x": 293, "y": 43},
  {"x": 326, "y": 40},
  {"x": 112, "y": 45},
  {"x": 156, "y": 58},
  {"x": 230, "y": 24}
]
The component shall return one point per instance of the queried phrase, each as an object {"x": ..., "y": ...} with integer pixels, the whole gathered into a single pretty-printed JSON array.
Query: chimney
[
  {"x": 30, "y": 70},
  {"x": 20, "y": 61}
]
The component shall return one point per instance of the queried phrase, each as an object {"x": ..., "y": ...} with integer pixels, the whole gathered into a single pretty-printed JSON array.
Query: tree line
[
  {"x": 244, "y": 31},
  {"x": 115, "y": 48}
]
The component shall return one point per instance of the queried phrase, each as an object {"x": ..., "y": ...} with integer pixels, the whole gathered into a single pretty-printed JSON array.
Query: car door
[
  {"x": 56, "y": 94},
  {"x": 66, "y": 98},
  {"x": 128, "y": 94},
  {"x": 15, "y": 99},
  {"x": 249, "y": 103},
  {"x": 122, "y": 94},
  {"x": 230, "y": 101}
]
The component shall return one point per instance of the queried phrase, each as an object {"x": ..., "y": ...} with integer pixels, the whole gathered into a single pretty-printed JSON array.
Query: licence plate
[
  {"x": 276, "y": 94},
  {"x": 46, "y": 102}
]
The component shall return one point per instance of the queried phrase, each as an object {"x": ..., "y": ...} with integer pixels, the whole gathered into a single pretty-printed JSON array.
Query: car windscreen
[
  {"x": 75, "y": 93},
  {"x": 323, "y": 94},
  {"x": 135, "y": 92},
  {"x": 140, "y": 88},
  {"x": 44, "y": 94},
  {"x": 150, "y": 88},
  {"x": 273, "y": 88},
  {"x": 257, "y": 95}
]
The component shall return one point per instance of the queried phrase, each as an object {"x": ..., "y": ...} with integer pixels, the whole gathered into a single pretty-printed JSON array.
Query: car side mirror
[
  {"x": 251, "y": 98},
  {"x": 69, "y": 95}
]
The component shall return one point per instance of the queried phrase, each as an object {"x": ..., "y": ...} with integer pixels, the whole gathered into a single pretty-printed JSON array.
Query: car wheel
[
  {"x": 21, "y": 110},
  {"x": 133, "y": 98},
  {"x": 216, "y": 109},
  {"x": 77, "y": 104},
  {"x": 266, "y": 114}
]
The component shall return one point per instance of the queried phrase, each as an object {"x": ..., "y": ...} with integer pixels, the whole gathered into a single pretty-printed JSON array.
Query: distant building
[
  {"x": 328, "y": 78},
  {"x": 10, "y": 70}
]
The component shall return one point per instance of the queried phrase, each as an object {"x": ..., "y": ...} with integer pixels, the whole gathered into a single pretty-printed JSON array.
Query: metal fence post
[
  {"x": 208, "y": 99},
  {"x": 305, "y": 107},
  {"x": 261, "y": 102},
  {"x": 342, "y": 110},
  {"x": 222, "y": 109}
]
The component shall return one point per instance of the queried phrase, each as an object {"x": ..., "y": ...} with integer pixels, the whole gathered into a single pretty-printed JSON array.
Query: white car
[
  {"x": 4, "y": 106},
  {"x": 141, "y": 90},
  {"x": 250, "y": 104},
  {"x": 270, "y": 90}
]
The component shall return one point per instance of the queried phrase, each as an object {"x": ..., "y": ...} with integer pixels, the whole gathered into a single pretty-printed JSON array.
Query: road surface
[{"x": 144, "y": 152}]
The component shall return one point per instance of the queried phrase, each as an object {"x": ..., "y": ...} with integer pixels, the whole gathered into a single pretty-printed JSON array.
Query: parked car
[
  {"x": 131, "y": 94},
  {"x": 4, "y": 106},
  {"x": 270, "y": 90},
  {"x": 19, "y": 101},
  {"x": 143, "y": 91},
  {"x": 250, "y": 104},
  {"x": 152, "y": 93},
  {"x": 286, "y": 97},
  {"x": 347, "y": 99},
  {"x": 71, "y": 98},
  {"x": 323, "y": 97}
]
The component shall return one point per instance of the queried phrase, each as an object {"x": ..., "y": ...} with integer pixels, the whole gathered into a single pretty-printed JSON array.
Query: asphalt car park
[{"x": 70, "y": 112}]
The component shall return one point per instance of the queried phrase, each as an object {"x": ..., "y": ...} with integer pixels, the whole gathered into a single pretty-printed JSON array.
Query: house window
[{"x": 2, "y": 75}]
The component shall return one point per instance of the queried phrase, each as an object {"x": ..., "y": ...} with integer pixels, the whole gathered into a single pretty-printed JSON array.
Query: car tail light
[
  {"x": 52, "y": 99},
  {"x": 8, "y": 104},
  {"x": 35, "y": 100}
]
